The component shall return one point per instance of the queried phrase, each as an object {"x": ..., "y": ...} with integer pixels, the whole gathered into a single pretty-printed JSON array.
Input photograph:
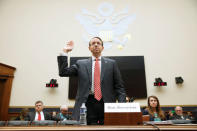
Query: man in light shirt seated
[
  {"x": 39, "y": 114},
  {"x": 178, "y": 115},
  {"x": 63, "y": 115}
]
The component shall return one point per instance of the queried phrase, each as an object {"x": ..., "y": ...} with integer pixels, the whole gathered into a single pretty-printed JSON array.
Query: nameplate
[{"x": 122, "y": 107}]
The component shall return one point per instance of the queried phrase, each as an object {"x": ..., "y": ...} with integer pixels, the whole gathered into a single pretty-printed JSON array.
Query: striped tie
[{"x": 97, "y": 82}]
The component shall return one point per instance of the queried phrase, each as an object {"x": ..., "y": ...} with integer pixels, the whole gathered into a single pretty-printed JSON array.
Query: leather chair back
[
  {"x": 43, "y": 123},
  {"x": 18, "y": 123},
  {"x": 69, "y": 122},
  {"x": 2, "y": 123}
]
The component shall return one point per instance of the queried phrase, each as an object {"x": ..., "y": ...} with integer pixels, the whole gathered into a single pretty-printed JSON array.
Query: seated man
[
  {"x": 63, "y": 115},
  {"x": 39, "y": 114},
  {"x": 178, "y": 115}
]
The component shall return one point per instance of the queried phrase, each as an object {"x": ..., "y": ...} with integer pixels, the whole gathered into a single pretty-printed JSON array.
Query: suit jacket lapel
[
  {"x": 89, "y": 68},
  {"x": 103, "y": 67}
]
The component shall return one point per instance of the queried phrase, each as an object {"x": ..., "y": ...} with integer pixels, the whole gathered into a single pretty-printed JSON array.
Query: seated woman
[
  {"x": 154, "y": 109},
  {"x": 23, "y": 114}
]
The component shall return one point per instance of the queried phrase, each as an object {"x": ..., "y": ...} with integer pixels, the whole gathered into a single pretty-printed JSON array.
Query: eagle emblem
[{"x": 110, "y": 26}]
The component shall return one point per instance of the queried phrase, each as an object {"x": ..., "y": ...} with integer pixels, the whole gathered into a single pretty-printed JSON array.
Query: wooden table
[{"x": 102, "y": 128}]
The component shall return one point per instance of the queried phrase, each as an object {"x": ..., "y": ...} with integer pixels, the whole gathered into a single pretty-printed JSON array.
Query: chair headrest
[
  {"x": 2, "y": 123},
  {"x": 69, "y": 122},
  {"x": 18, "y": 123},
  {"x": 43, "y": 123}
]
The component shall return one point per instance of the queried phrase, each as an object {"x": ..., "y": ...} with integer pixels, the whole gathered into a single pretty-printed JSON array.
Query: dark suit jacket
[
  {"x": 31, "y": 116},
  {"x": 111, "y": 82},
  {"x": 178, "y": 117}
]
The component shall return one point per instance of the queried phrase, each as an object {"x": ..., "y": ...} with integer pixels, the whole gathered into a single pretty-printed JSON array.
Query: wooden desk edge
[{"x": 103, "y": 128}]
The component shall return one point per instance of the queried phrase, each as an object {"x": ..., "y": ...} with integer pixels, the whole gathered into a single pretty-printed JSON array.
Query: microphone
[{"x": 132, "y": 99}]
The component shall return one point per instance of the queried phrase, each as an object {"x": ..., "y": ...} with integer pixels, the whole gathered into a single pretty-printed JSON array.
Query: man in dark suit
[
  {"x": 99, "y": 81},
  {"x": 39, "y": 114}
]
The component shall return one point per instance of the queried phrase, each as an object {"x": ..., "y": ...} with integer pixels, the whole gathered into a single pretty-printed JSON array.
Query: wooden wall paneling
[{"x": 6, "y": 78}]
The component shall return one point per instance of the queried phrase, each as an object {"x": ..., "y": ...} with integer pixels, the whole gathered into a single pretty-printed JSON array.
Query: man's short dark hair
[
  {"x": 97, "y": 38},
  {"x": 38, "y": 102}
]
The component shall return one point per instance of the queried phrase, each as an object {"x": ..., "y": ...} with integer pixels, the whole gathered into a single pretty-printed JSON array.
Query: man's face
[
  {"x": 179, "y": 111},
  {"x": 64, "y": 111},
  {"x": 153, "y": 102},
  {"x": 96, "y": 46},
  {"x": 39, "y": 107}
]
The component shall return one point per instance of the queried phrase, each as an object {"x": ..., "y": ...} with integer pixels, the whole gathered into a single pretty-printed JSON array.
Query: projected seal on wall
[{"x": 111, "y": 27}]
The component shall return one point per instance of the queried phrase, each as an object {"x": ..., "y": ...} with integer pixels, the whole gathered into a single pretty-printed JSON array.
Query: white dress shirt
[{"x": 42, "y": 116}]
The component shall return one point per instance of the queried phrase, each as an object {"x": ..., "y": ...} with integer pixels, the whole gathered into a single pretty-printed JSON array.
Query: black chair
[
  {"x": 195, "y": 116},
  {"x": 69, "y": 122},
  {"x": 44, "y": 123},
  {"x": 2, "y": 123},
  {"x": 18, "y": 123}
]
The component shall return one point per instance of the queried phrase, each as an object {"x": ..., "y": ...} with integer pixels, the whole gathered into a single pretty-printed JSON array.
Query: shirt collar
[{"x": 94, "y": 58}]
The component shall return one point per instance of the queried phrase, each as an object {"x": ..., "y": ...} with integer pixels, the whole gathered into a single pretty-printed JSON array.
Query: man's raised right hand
[{"x": 69, "y": 46}]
